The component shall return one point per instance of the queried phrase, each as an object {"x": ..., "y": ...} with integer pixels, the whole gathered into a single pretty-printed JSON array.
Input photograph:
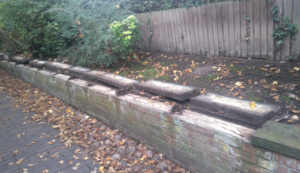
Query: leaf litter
[{"x": 111, "y": 150}]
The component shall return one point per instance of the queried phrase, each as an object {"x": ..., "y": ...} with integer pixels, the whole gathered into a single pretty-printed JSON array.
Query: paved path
[{"x": 31, "y": 139}]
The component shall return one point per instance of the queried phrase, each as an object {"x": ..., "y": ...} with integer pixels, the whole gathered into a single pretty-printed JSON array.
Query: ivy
[
  {"x": 150, "y": 29},
  {"x": 285, "y": 27}
]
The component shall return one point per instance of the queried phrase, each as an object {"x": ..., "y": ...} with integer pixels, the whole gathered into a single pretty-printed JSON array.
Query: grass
[
  {"x": 252, "y": 97},
  {"x": 235, "y": 69},
  {"x": 210, "y": 77},
  {"x": 285, "y": 98}
]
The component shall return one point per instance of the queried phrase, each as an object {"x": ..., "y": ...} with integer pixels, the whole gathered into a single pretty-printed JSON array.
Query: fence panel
[
  {"x": 296, "y": 20},
  {"x": 242, "y": 28}
]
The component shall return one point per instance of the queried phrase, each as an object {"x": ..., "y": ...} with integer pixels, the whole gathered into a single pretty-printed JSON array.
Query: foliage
[
  {"x": 141, "y": 6},
  {"x": 284, "y": 29},
  {"x": 28, "y": 21},
  {"x": 125, "y": 36},
  {"x": 88, "y": 23}
]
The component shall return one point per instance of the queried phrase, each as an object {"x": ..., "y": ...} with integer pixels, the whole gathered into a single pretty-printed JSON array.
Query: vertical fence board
[
  {"x": 256, "y": 29},
  {"x": 231, "y": 29},
  {"x": 183, "y": 31},
  {"x": 278, "y": 52},
  {"x": 156, "y": 31},
  {"x": 196, "y": 17},
  {"x": 219, "y": 17},
  {"x": 191, "y": 33},
  {"x": 143, "y": 17},
  {"x": 176, "y": 31},
  {"x": 296, "y": 20},
  {"x": 180, "y": 31},
  {"x": 166, "y": 32},
  {"x": 187, "y": 34},
  {"x": 243, "y": 14},
  {"x": 225, "y": 14},
  {"x": 200, "y": 41},
  {"x": 203, "y": 25},
  {"x": 170, "y": 33},
  {"x": 285, "y": 47},
  {"x": 138, "y": 17},
  {"x": 151, "y": 41},
  {"x": 250, "y": 11},
  {"x": 215, "y": 29},
  {"x": 263, "y": 30},
  {"x": 270, "y": 22},
  {"x": 237, "y": 28},
  {"x": 173, "y": 29},
  {"x": 210, "y": 30}
]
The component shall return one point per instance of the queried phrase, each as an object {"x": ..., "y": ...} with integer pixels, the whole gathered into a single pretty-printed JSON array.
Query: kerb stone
[
  {"x": 37, "y": 63},
  {"x": 58, "y": 67},
  {"x": 278, "y": 137},
  {"x": 111, "y": 79},
  {"x": 174, "y": 91},
  {"x": 78, "y": 71},
  {"x": 233, "y": 108},
  {"x": 20, "y": 60}
]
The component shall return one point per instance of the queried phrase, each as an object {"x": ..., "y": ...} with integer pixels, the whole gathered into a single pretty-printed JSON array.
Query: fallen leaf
[
  {"x": 277, "y": 71},
  {"x": 101, "y": 169},
  {"x": 61, "y": 162},
  {"x": 239, "y": 72},
  {"x": 295, "y": 111},
  {"x": 295, "y": 117},
  {"x": 167, "y": 103},
  {"x": 31, "y": 165},
  {"x": 46, "y": 171},
  {"x": 221, "y": 84},
  {"x": 263, "y": 81},
  {"x": 238, "y": 84},
  {"x": 264, "y": 69},
  {"x": 185, "y": 83},
  {"x": 290, "y": 121},
  {"x": 252, "y": 105},
  {"x": 296, "y": 68},
  {"x": 293, "y": 96},
  {"x": 236, "y": 94},
  {"x": 276, "y": 97},
  {"x": 77, "y": 150},
  {"x": 250, "y": 81},
  {"x": 11, "y": 163},
  {"x": 19, "y": 161},
  {"x": 15, "y": 153}
]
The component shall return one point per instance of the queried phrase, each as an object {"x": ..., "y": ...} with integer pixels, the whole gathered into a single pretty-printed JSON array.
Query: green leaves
[
  {"x": 125, "y": 36},
  {"x": 29, "y": 20}
]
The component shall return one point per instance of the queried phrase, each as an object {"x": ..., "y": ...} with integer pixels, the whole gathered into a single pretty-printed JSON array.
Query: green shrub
[
  {"x": 29, "y": 21},
  {"x": 88, "y": 23},
  {"x": 125, "y": 36}
]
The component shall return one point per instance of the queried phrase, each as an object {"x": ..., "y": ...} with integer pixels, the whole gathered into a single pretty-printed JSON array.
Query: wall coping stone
[
  {"x": 174, "y": 91},
  {"x": 234, "y": 108},
  {"x": 278, "y": 137}
]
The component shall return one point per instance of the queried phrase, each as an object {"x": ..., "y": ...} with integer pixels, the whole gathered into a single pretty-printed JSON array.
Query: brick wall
[{"x": 196, "y": 141}]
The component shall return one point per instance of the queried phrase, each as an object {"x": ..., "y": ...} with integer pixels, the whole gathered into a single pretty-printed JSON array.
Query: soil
[
  {"x": 263, "y": 81},
  {"x": 269, "y": 82}
]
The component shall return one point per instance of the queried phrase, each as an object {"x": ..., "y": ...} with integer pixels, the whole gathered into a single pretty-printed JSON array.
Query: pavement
[{"x": 21, "y": 138}]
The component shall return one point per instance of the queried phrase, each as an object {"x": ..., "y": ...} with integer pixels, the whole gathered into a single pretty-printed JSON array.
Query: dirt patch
[{"x": 264, "y": 81}]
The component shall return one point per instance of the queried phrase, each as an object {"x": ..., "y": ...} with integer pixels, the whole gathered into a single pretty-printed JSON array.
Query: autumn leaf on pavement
[
  {"x": 295, "y": 111},
  {"x": 253, "y": 105}
]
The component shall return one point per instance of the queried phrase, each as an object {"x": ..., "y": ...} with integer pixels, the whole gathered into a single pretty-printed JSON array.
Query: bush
[
  {"x": 125, "y": 36},
  {"x": 36, "y": 29},
  {"x": 88, "y": 23}
]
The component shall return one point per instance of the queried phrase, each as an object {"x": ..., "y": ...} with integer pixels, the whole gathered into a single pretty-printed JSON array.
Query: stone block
[
  {"x": 6, "y": 56},
  {"x": 79, "y": 71},
  {"x": 78, "y": 94},
  {"x": 111, "y": 79},
  {"x": 278, "y": 137},
  {"x": 233, "y": 108},
  {"x": 20, "y": 60},
  {"x": 174, "y": 91},
  {"x": 37, "y": 63},
  {"x": 57, "y": 67}
]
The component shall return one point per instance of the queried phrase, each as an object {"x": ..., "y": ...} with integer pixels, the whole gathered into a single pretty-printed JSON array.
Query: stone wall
[{"x": 193, "y": 140}]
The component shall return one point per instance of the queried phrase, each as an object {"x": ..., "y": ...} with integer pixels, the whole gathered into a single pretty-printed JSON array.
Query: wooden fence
[{"x": 218, "y": 27}]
